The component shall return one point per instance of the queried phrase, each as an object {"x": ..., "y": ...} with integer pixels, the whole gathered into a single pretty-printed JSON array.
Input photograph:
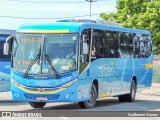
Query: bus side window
[
  {"x": 126, "y": 45},
  {"x": 117, "y": 51},
  {"x": 142, "y": 50},
  {"x": 129, "y": 45},
  {"x": 112, "y": 44},
  {"x": 147, "y": 45},
  {"x": 136, "y": 45},
  {"x": 97, "y": 44},
  {"x": 106, "y": 44}
]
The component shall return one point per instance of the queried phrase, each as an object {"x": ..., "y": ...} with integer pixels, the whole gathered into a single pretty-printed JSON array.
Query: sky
[{"x": 14, "y": 13}]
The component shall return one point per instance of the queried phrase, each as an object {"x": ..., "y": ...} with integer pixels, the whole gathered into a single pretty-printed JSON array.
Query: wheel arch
[{"x": 95, "y": 82}]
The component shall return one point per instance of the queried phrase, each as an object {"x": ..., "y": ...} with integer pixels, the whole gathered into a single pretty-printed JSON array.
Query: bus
[
  {"x": 78, "y": 61},
  {"x": 4, "y": 61}
]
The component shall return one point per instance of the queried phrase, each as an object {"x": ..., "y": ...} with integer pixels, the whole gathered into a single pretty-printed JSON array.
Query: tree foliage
[{"x": 140, "y": 14}]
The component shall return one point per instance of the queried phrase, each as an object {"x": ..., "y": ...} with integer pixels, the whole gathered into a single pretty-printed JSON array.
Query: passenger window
[
  {"x": 97, "y": 44},
  {"x": 147, "y": 45}
]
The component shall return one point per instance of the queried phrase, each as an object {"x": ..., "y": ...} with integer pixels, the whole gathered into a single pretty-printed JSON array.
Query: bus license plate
[{"x": 41, "y": 98}]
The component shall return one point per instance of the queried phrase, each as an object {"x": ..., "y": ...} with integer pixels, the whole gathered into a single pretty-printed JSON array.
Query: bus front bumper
[{"x": 61, "y": 94}]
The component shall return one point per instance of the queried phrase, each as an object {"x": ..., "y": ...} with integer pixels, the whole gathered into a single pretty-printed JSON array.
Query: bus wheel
[
  {"x": 37, "y": 104},
  {"x": 131, "y": 96},
  {"x": 90, "y": 103}
]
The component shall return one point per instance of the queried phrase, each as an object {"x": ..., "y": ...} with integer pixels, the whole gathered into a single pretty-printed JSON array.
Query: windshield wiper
[
  {"x": 50, "y": 63},
  {"x": 32, "y": 62}
]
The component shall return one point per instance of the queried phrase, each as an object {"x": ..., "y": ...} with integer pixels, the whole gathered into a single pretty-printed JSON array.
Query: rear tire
[
  {"x": 37, "y": 104},
  {"x": 90, "y": 103},
  {"x": 131, "y": 97}
]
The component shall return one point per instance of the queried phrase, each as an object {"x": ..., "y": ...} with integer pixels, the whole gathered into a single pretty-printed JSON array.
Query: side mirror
[
  {"x": 7, "y": 44},
  {"x": 6, "y": 49}
]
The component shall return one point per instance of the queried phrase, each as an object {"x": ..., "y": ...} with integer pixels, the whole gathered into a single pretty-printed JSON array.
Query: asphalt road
[{"x": 142, "y": 103}]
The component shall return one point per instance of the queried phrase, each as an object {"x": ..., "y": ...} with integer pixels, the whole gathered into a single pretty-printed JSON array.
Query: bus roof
[
  {"x": 6, "y": 31},
  {"x": 66, "y": 27}
]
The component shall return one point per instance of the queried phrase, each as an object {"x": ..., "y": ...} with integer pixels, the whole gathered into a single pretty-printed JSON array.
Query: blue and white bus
[
  {"x": 4, "y": 61},
  {"x": 79, "y": 62}
]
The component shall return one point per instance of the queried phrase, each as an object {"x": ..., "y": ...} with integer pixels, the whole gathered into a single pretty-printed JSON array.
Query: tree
[{"x": 140, "y": 14}]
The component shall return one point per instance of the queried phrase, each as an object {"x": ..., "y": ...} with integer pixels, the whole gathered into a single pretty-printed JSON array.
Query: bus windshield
[{"x": 45, "y": 53}]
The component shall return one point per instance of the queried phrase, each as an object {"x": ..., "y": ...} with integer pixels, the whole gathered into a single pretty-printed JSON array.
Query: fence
[{"x": 156, "y": 70}]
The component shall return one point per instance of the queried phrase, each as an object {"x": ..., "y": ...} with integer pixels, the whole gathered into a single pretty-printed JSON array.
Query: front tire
[
  {"x": 90, "y": 103},
  {"x": 37, "y": 104}
]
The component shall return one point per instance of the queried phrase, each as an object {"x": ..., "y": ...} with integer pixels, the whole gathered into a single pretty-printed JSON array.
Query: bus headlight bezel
[
  {"x": 16, "y": 83},
  {"x": 69, "y": 83}
]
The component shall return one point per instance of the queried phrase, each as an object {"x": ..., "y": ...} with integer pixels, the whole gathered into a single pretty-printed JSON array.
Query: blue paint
[{"x": 77, "y": 27}]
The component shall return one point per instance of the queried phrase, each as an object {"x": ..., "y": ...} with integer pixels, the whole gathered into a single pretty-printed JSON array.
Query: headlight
[
  {"x": 69, "y": 83},
  {"x": 16, "y": 83}
]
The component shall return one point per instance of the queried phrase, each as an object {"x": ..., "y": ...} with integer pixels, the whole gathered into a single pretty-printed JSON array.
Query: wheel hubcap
[{"x": 92, "y": 96}]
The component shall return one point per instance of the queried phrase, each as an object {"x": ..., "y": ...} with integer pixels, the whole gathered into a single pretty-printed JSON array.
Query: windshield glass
[{"x": 53, "y": 52}]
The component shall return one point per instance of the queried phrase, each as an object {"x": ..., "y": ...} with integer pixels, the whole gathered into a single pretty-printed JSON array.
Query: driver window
[{"x": 84, "y": 58}]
